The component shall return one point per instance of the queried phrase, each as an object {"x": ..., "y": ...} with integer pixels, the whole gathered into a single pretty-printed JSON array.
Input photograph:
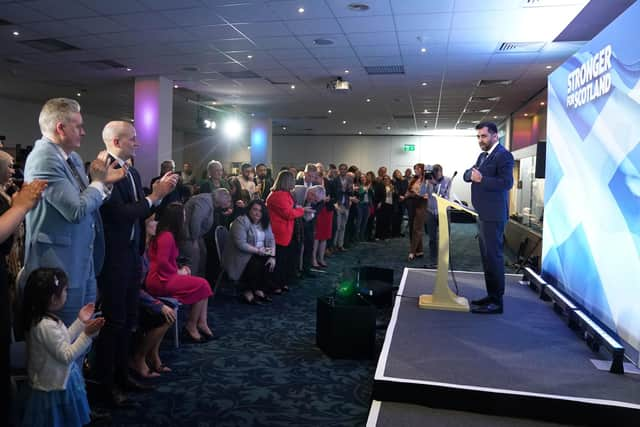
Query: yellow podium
[{"x": 442, "y": 297}]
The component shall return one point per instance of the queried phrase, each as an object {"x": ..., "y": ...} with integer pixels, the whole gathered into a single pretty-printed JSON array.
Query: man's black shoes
[
  {"x": 481, "y": 301},
  {"x": 490, "y": 308}
]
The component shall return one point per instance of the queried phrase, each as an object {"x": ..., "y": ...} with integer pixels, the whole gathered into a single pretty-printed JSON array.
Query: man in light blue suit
[{"x": 65, "y": 229}]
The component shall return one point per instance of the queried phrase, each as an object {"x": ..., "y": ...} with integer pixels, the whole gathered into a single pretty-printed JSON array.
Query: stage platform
[{"x": 525, "y": 363}]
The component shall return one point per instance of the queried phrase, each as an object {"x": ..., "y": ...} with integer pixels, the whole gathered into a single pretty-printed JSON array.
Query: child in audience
[{"x": 57, "y": 394}]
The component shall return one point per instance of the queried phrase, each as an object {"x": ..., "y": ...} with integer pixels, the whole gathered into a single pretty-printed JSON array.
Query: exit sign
[{"x": 409, "y": 147}]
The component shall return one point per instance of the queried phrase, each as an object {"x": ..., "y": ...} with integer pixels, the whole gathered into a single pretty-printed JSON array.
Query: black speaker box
[{"x": 346, "y": 330}]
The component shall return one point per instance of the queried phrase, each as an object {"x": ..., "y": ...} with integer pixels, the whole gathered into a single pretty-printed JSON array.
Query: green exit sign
[{"x": 409, "y": 147}]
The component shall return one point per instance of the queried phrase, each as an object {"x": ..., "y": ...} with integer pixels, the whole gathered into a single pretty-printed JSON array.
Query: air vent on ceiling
[
  {"x": 5, "y": 22},
  {"x": 103, "y": 64},
  {"x": 402, "y": 116},
  {"x": 246, "y": 74},
  {"x": 358, "y": 7},
  {"x": 492, "y": 83},
  {"x": 519, "y": 47},
  {"x": 49, "y": 45},
  {"x": 277, "y": 83},
  {"x": 323, "y": 42},
  {"x": 484, "y": 99},
  {"x": 384, "y": 69}
]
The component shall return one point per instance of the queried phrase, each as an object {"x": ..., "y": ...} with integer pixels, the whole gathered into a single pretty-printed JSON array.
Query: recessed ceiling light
[
  {"x": 346, "y": 71},
  {"x": 359, "y": 132},
  {"x": 253, "y": 114},
  {"x": 249, "y": 56},
  {"x": 425, "y": 111},
  {"x": 176, "y": 86},
  {"x": 388, "y": 127},
  {"x": 329, "y": 111},
  {"x": 284, "y": 128},
  {"x": 423, "y": 84},
  {"x": 548, "y": 67},
  {"x": 78, "y": 94},
  {"x": 495, "y": 117},
  {"x": 426, "y": 121},
  {"x": 132, "y": 121},
  {"x": 423, "y": 50},
  {"x": 344, "y": 122},
  {"x": 16, "y": 33},
  {"x": 293, "y": 86},
  {"x": 129, "y": 69},
  {"x": 214, "y": 103},
  {"x": 301, "y": 10},
  {"x": 526, "y": 114},
  {"x": 368, "y": 99},
  {"x": 542, "y": 103}
]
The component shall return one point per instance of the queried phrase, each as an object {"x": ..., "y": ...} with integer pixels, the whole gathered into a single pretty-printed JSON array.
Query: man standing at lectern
[{"x": 491, "y": 179}]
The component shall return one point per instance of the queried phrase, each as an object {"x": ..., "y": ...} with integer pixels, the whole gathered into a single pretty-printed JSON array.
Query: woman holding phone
[{"x": 249, "y": 254}]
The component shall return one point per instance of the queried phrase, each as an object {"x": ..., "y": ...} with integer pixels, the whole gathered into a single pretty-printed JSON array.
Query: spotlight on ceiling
[
  {"x": 232, "y": 128},
  {"x": 210, "y": 124}
]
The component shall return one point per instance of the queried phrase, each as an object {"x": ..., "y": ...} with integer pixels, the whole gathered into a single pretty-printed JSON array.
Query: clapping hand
[
  {"x": 29, "y": 195},
  {"x": 86, "y": 312},
  {"x": 93, "y": 326}
]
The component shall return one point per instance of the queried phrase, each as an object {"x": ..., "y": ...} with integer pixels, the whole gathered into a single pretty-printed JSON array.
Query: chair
[{"x": 221, "y": 234}]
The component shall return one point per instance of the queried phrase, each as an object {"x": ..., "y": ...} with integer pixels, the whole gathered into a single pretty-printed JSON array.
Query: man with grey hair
[
  {"x": 200, "y": 212},
  {"x": 66, "y": 230}
]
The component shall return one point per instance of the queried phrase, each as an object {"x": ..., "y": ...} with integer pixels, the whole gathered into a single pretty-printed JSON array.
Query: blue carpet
[{"x": 266, "y": 370}]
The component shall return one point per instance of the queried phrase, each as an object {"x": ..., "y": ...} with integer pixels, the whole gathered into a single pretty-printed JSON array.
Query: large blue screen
[{"x": 591, "y": 241}]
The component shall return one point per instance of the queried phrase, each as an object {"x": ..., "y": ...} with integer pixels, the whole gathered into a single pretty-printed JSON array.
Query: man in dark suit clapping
[{"x": 491, "y": 179}]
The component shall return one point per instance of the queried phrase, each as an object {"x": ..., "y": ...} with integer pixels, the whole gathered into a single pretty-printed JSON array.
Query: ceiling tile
[
  {"x": 243, "y": 12},
  {"x": 143, "y": 21},
  {"x": 94, "y": 25},
  {"x": 52, "y": 8},
  {"x": 412, "y": 7},
  {"x": 192, "y": 16},
  {"x": 338, "y": 52},
  {"x": 113, "y": 7},
  {"x": 288, "y": 9},
  {"x": 213, "y": 32},
  {"x": 287, "y": 54},
  {"x": 18, "y": 14},
  {"x": 233, "y": 44},
  {"x": 373, "y": 39},
  {"x": 367, "y": 24},
  {"x": 434, "y": 21},
  {"x": 55, "y": 29},
  {"x": 169, "y": 4},
  {"x": 263, "y": 29},
  {"x": 377, "y": 50},
  {"x": 376, "y": 7},
  {"x": 278, "y": 43},
  {"x": 423, "y": 38},
  {"x": 314, "y": 26}
]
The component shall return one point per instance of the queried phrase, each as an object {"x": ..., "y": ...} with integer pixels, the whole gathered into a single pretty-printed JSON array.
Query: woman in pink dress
[{"x": 165, "y": 279}]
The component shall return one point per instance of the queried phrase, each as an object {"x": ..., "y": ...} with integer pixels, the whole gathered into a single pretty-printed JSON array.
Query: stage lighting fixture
[
  {"x": 210, "y": 124},
  {"x": 232, "y": 128}
]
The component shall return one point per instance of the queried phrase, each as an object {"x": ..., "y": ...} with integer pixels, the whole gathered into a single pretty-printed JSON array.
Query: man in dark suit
[
  {"x": 491, "y": 179},
  {"x": 123, "y": 216}
]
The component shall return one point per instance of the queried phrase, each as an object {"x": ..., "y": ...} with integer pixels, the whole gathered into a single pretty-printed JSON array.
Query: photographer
[
  {"x": 438, "y": 185},
  {"x": 418, "y": 194}
]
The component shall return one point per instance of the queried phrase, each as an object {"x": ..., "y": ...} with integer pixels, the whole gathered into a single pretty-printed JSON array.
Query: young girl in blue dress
[{"x": 57, "y": 396}]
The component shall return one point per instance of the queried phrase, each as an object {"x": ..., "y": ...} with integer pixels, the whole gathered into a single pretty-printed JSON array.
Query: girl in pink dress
[{"x": 165, "y": 279}]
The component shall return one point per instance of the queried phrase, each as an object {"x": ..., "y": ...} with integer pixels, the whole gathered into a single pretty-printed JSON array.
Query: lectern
[{"x": 442, "y": 297}]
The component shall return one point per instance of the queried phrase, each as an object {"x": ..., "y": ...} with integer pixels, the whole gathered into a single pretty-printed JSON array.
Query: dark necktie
[
  {"x": 76, "y": 175},
  {"x": 482, "y": 158}
]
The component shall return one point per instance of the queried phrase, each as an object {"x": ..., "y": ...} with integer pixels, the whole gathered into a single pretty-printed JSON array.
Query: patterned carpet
[{"x": 265, "y": 370}]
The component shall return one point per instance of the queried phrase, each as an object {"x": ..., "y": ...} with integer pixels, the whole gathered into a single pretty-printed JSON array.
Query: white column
[{"x": 153, "y": 119}]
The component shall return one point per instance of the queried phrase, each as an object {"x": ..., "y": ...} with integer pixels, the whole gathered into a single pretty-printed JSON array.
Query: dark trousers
[
  {"x": 396, "y": 220},
  {"x": 383, "y": 221},
  {"x": 256, "y": 275},
  {"x": 119, "y": 285},
  {"x": 286, "y": 263},
  {"x": 308, "y": 230},
  {"x": 410, "y": 205},
  {"x": 432, "y": 230},
  {"x": 491, "y": 239}
]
